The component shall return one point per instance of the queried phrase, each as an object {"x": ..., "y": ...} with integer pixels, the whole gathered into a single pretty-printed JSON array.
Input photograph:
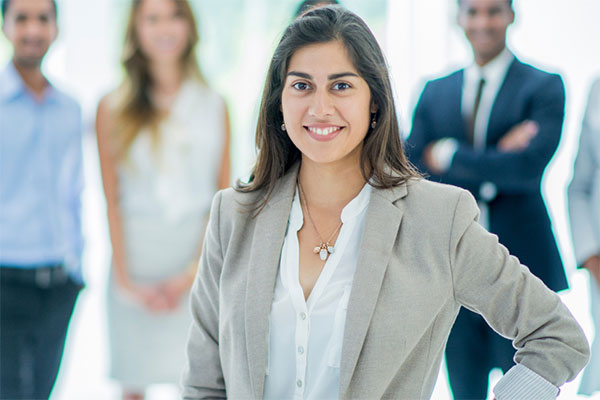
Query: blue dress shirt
[{"x": 40, "y": 177}]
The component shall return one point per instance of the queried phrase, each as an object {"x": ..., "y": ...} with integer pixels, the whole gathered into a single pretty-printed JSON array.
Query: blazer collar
[
  {"x": 383, "y": 218},
  {"x": 381, "y": 228},
  {"x": 505, "y": 98},
  {"x": 267, "y": 241}
]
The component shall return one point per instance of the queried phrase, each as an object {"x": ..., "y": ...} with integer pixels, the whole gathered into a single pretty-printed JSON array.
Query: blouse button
[
  {"x": 299, "y": 383},
  {"x": 300, "y": 349},
  {"x": 302, "y": 316}
]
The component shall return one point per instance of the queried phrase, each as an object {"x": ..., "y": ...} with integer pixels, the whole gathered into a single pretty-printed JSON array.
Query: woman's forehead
[{"x": 321, "y": 59}]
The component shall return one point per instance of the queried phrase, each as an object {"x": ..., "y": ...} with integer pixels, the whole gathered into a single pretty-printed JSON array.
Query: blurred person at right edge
[
  {"x": 163, "y": 140},
  {"x": 584, "y": 210},
  {"x": 492, "y": 128}
]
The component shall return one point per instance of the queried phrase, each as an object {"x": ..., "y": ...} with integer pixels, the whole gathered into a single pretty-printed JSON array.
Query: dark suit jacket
[{"x": 517, "y": 214}]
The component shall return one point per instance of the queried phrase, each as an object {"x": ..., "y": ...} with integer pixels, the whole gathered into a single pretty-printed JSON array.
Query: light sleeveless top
[{"x": 165, "y": 192}]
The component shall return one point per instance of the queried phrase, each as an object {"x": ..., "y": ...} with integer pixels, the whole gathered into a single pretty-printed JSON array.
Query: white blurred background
[{"x": 421, "y": 41}]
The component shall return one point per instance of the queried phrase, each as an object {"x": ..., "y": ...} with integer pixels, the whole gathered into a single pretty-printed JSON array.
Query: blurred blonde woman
[{"x": 163, "y": 139}]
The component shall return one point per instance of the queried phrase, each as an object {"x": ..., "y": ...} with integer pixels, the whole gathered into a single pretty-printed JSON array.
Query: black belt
[{"x": 43, "y": 277}]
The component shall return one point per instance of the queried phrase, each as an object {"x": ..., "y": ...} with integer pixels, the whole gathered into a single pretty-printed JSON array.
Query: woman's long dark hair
[{"x": 383, "y": 160}]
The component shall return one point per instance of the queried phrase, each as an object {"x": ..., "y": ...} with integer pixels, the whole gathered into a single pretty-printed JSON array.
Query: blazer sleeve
[
  {"x": 520, "y": 171},
  {"x": 202, "y": 375},
  {"x": 515, "y": 303},
  {"x": 586, "y": 240}
]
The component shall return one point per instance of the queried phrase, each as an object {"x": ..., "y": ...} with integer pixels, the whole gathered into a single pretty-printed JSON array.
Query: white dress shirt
[
  {"x": 305, "y": 337},
  {"x": 493, "y": 73}
]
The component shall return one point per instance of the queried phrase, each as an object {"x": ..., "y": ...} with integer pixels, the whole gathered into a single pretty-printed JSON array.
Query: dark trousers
[
  {"x": 473, "y": 350},
  {"x": 35, "y": 309}
]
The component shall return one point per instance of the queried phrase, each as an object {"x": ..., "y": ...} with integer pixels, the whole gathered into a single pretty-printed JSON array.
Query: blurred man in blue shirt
[{"x": 40, "y": 190}]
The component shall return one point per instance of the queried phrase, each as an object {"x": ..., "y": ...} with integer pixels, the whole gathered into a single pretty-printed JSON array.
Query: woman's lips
[{"x": 323, "y": 133}]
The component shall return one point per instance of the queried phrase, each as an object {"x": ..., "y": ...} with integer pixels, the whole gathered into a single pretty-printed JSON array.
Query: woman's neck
[
  {"x": 166, "y": 77},
  {"x": 166, "y": 81},
  {"x": 330, "y": 186}
]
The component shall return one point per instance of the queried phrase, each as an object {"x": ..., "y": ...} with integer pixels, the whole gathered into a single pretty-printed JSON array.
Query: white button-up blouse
[{"x": 305, "y": 337}]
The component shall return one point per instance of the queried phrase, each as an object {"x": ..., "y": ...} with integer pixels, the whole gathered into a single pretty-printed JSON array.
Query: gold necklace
[{"x": 324, "y": 249}]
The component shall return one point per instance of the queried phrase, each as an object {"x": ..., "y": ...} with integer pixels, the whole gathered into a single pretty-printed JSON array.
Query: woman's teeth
[{"x": 324, "y": 131}]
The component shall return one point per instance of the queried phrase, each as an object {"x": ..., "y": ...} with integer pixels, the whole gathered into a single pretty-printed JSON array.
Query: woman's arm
[
  {"x": 551, "y": 347},
  {"x": 106, "y": 152},
  {"x": 224, "y": 178},
  {"x": 107, "y": 155}
]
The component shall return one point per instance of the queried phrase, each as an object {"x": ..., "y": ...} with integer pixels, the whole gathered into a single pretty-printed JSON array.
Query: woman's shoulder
[
  {"x": 112, "y": 100},
  {"x": 424, "y": 190},
  {"x": 234, "y": 204},
  {"x": 435, "y": 200}
]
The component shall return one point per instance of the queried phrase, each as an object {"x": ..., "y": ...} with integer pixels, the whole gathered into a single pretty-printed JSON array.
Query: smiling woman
[
  {"x": 326, "y": 105},
  {"x": 363, "y": 311}
]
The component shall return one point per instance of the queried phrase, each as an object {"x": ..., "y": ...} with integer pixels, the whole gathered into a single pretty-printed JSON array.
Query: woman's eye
[
  {"x": 341, "y": 86},
  {"x": 301, "y": 86}
]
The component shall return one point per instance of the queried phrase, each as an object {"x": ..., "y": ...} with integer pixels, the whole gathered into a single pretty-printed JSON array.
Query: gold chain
[{"x": 324, "y": 248}]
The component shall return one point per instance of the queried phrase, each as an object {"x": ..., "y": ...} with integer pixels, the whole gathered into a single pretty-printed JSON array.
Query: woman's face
[
  {"x": 162, "y": 30},
  {"x": 326, "y": 104}
]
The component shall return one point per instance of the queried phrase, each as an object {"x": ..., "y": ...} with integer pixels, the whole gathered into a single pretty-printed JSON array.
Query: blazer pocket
[{"x": 334, "y": 353}]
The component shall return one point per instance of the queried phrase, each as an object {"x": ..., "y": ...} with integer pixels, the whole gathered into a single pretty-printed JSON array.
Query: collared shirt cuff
[
  {"x": 443, "y": 152},
  {"x": 523, "y": 384}
]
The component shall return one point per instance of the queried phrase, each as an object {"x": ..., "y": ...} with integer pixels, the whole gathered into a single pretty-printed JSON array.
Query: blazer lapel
[
  {"x": 381, "y": 228},
  {"x": 267, "y": 241},
  {"x": 500, "y": 120},
  {"x": 453, "y": 109}
]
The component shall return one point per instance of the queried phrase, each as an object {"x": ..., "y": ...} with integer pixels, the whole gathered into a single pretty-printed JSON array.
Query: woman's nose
[{"x": 322, "y": 104}]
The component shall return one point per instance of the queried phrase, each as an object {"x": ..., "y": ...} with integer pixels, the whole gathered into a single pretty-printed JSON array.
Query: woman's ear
[{"x": 374, "y": 107}]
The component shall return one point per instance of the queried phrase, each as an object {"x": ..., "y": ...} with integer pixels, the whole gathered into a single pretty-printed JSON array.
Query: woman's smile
[{"x": 323, "y": 132}]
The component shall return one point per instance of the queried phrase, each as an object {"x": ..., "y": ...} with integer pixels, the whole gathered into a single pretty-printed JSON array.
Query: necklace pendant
[
  {"x": 330, "y": 249},
  {"x": 323, "y": 254},
  {"x": 323, "y": 251}
]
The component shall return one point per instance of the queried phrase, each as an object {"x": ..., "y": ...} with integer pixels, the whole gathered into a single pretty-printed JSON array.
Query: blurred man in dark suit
[{"x": 492, "y": 129}]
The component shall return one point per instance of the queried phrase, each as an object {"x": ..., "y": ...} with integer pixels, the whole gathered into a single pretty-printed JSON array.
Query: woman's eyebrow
[
  {"x": 341, "y": 75},
  {"x": 299, "y": 74},
  {"x": 330, "y": 77}
]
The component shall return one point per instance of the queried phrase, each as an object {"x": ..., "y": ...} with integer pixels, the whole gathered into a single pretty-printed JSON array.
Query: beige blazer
[{"x": 422, "y": 256}]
